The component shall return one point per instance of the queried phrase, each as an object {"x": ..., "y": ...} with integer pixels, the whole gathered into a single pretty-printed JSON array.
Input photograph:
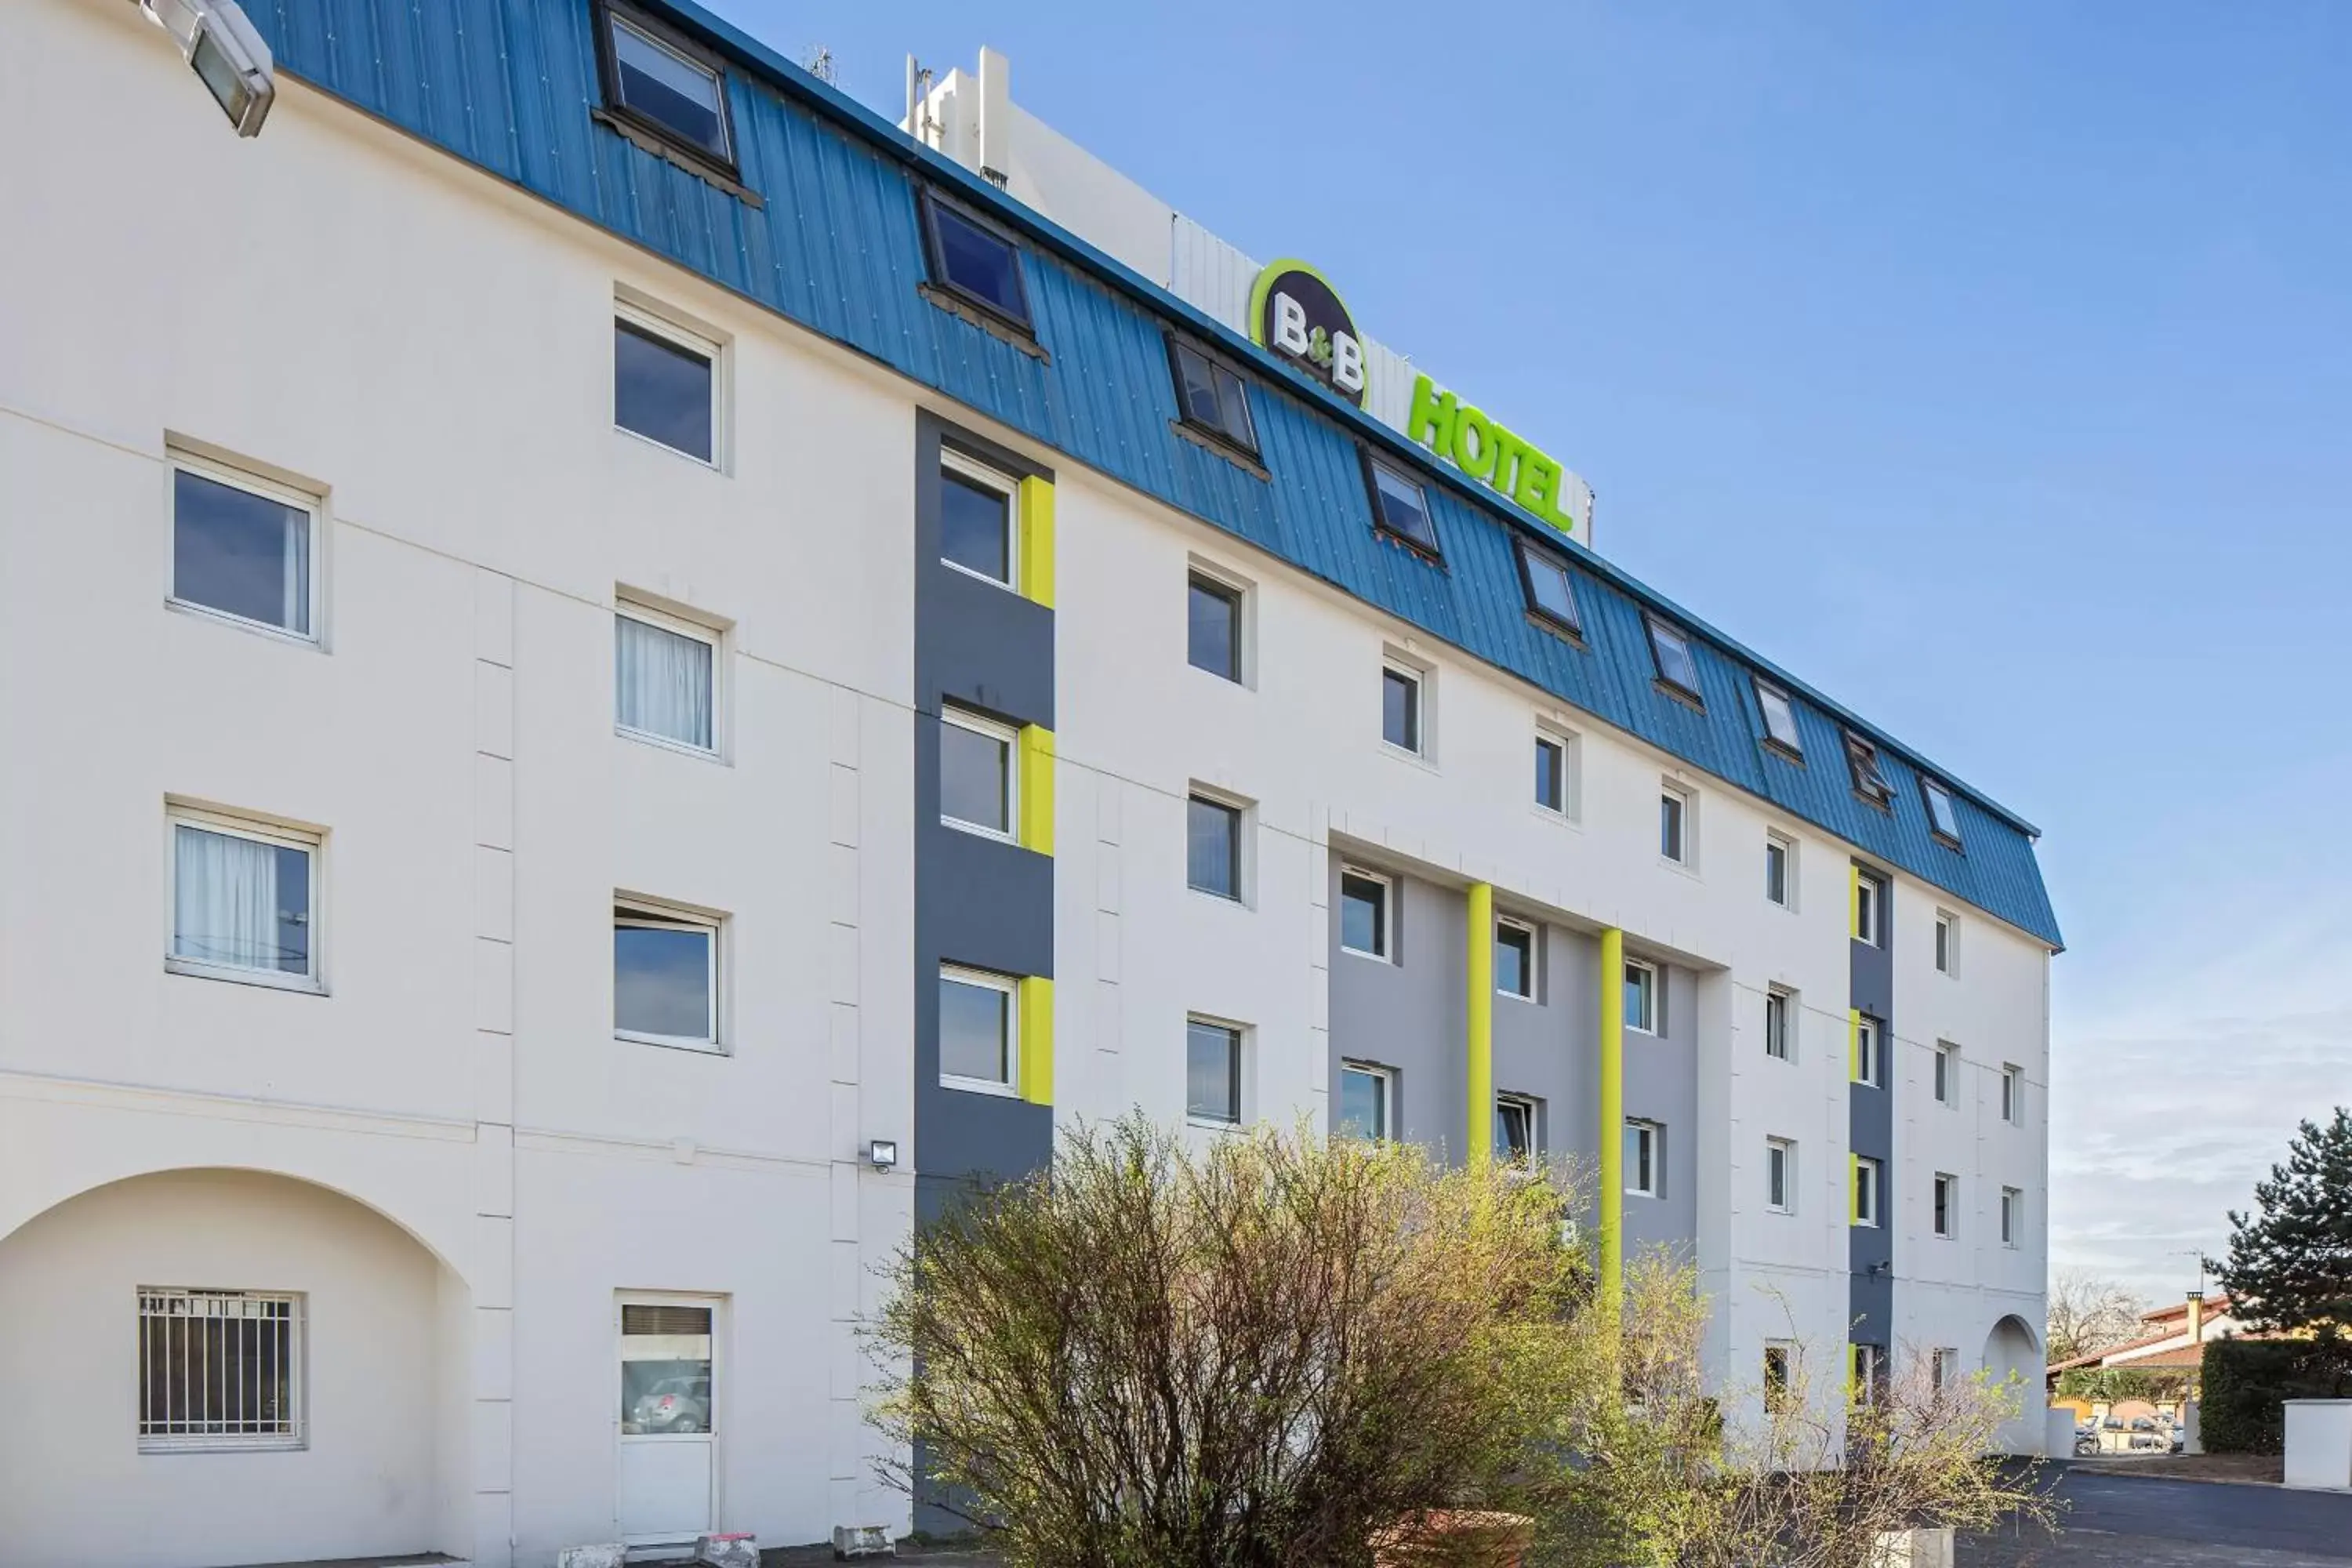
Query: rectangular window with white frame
[
  {"x": 1404, "y": 706},
  {"x": 665, "y": 679},
  {"x": 1945, "y": 1203},
  {"x": 665, "y": 382},
  {"x": 1780, "y": 1176},
  {"x": 1947, "y": 942},
  {"x": 1216, "y": 621},
  {"x": 1677, "y": 826},
  {"x": 1779, "y": 1023},
  {"x": 1518, "y": 1128},
  {"x": 1367, "y": 1101},
  {"x": 244, "y": 548},
  {"x": 219, "y": 1370},
  {"x": 665, "y": 975},
  {"x": 1780, "y": 870},
  {"x": 980, "y": 519},
  {"x": 1869, "y": 907},
  {"x": 1943, "y": 1372},
  {"x": 978, "y": 784},
  {"x": 1869, "y": 1051},
  {"x": 1947, "y": 1074},
  {"x": 1214, "y": 845},
  {"x": 2012, "y": 1217},
  {"x": 979, "y": 1030},
  {"x": 1644, "y": 1148},
  {"x": 245, "y": 899},
  {"x": 1779, "y": 1371},
  {"x": 1515, "y": 958},
  {"x": 2012, "y": 1095},
  {"x": 1559, "y": 767},
  {"x": 1213, "y": 1072},
  {"x": 1869, "y": 1178},
  {"x": 1645, "y": 1002},
  {"x": 1367, "y": 901}
]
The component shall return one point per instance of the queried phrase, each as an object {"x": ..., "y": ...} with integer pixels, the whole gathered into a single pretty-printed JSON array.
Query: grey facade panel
[
  {"x": 1870, "y": 1131},
  {"x": 1548, "y": 1048},
  {"x": 1662, "y": 1085},
  {"x": 984, "y": 903},
  {"x": 1409, "y": 1015}
]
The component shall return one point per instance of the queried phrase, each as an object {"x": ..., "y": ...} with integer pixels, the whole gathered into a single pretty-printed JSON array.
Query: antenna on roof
[
  {"x": 818, "y": 62},
  {"x": 918, "y": 124}
]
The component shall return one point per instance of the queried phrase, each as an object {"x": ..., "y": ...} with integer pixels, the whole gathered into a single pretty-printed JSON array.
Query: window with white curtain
[
  {"x": 665, "y": 675},
  {"x": 243, "y": 547},
  {"x": 244, "y": 897}
]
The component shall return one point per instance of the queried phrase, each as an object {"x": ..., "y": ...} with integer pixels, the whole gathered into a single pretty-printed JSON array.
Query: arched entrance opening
[
  {"x": 230, "y": 1367},
  {"x": 2012, "y": 1362}
]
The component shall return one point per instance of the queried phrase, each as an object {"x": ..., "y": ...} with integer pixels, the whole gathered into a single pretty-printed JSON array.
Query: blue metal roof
[{"x": 509, "y": 85}]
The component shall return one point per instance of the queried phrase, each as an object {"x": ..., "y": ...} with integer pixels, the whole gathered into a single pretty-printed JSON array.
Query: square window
[
  {"x": 1364, "y": 912},
  {"x": 978, "y": 782},
  {"x": 1862, "y": 760},
  {"x": 1213, "y": 1072},
  {"x": 664, "y": 679},
  {"x": 1673, "y": 812},
  {"x": 1670, "y": 651},
  {"x": 1947, "y": 1073},
  {"x": 1869, "y": 1051},
  {"x": 973, "y": 259},
  {"x": 1642, "y": 1173},
  {"x": 978, "y": 529},
  {"x": 1779, "y": 718},
  {"x": 1516, "y": 1128},
  {"x": 979, "y": 1030},
  {"x": 1367, "y": 1101},
  {"x": 1515, "y": 959},
  {"x": 665, "y": 384},
  {"x": 1867, "y": 1193},
  {"x": 1213, "y": 628},
  {"x": 1942, "y": 820},
  {"x": 672, "y": 89},
  {"x": 219, "y": 1370},
  {"x": 1780, "y": 1175},
  {"x": 1401, "y": 709},
  {"x": 1869, "y": 907},
  {"x": 1644, "y": 1007},
  {"x": 1779, "y": 1010},
  {"x": 2012, "y": 1095},
  {"x": 1947, "y": 1204},
  {"x": 243, "y": 548},
  {"x": 1401, "y": 507},
  {"x": 244, "y": 895},
  {"x": 1948, "y": 944},
  {"x": 1212, "y": 847},
  {"x": 1551, "y": 594},
  {"x": 2012, "y": 1217},
  {"x": 1779, "y": 870},
  {"x": 1551, "y": 774},
  {"x": 1213, "y": 399},
  {"x": 665, "y": 976}
]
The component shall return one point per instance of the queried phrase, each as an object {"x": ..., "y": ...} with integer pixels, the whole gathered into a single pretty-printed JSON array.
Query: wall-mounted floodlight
[
  {"x": 882, "y": 1153},
  {"x": 226, "y": 54}
]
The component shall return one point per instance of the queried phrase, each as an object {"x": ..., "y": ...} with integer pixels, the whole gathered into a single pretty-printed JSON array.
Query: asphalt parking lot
[{"x": 2155, "y": 1523}]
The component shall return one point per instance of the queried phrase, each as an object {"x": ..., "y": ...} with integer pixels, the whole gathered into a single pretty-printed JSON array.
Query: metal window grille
[{"x": 219, "y": 1369}]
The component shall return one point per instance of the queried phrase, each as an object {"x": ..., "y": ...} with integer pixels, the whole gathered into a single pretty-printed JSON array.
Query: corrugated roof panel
[{"x": 511, "y": 85}]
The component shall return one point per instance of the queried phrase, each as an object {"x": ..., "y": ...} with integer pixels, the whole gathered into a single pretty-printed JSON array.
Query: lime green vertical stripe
[
  {"x": 1036, "y": 1004},
  {"x": 1854, "y": 1044},
  {"x": 1035, "y": 751},
  {"x": 1037, "y": 541},
  {"x": 1612, "y": 1116},
  {"x": 1481, "y": 1023}
]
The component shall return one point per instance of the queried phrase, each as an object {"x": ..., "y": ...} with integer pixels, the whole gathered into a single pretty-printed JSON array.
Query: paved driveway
[{"x": 2152, "y": 1523}]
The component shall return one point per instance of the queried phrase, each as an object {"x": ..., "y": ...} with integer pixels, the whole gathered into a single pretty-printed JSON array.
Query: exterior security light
[
  {"x": 882, "y": 1153},
  {"x": 226, "y": 54}
]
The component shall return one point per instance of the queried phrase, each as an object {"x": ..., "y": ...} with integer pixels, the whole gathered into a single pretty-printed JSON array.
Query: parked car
[{"x": 673, "y": 1405}]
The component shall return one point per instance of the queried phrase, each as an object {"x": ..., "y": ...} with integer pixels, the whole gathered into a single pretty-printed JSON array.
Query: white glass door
[{"x": 668, "y": 1419}]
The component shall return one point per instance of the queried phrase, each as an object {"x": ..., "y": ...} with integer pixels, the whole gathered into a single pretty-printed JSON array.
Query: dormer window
[
  {"x": 1942, "y": 820},
  {"x": 1779, "y": 719},
  {"x": 1211, "y": 398},
  {"x": 1401, "y": 507},
  {"x": 1551, "y": 599},
  {"x": 1862, "y": 757},
  {"x": 665, "y": 85},
  {"x": 973, "y": 261},
  {"x": 1677, "y": 667}
]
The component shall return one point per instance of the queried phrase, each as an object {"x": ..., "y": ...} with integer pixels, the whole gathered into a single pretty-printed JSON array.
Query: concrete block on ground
[
  {"x": 862, "y": 1540},
  {"x": 604, "y": 1555},
  {"x": 1913, "y": 1549},
  {"x": 738, "y": 1551}
]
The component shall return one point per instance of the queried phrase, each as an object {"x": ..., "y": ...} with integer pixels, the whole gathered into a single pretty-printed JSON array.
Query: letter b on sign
[
  {"x": 1346, "y": 363},
  {"x": 1289, "y": 326}
]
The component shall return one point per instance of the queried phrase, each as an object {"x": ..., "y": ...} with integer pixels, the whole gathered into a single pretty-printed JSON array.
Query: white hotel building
[{"x": 590, "y": 631}]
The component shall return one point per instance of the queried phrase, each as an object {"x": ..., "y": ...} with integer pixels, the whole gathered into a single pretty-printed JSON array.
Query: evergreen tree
[{"x": 2290, "y": 1263}]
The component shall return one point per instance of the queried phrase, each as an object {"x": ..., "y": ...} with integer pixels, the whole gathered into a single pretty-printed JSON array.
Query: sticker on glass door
[{"x": 669, "y": 1420}]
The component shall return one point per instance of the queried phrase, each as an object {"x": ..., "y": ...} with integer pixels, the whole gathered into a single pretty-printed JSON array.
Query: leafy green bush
[{"x": 2246, "y": 1385}]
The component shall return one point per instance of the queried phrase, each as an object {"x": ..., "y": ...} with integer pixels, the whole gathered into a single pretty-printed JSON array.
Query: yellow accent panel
[
  {"x": 1037, "y": 541},
  {"x": 1035, "y": 752},
  {"x": 1612, "y": 1116},
  {"x": 1036, "y": 1004},
  {"x": 1854, "y": 1045},
  {"x": 1482, "y": 1022}
]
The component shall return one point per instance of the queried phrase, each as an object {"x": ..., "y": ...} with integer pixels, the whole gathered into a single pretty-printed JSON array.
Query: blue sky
[{"x": 1990, "y": 365}]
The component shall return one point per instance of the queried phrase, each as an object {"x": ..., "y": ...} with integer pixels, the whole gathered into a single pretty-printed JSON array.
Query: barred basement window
[{"x": 219, "y": 1369}]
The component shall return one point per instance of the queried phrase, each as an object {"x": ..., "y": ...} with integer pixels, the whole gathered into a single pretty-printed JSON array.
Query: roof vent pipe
[{"x": 995, "y": 116}]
